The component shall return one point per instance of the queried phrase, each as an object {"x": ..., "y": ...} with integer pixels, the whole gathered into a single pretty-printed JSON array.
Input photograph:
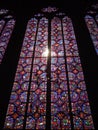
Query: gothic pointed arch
[{"x": 49, "y": 89}]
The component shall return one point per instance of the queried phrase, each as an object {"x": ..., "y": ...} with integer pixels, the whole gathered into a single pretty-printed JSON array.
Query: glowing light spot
[{"x": 45, "y": 53}]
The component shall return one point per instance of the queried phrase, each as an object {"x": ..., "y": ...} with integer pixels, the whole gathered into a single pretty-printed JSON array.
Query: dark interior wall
[
  {"x": 23, "y": 7},
  {"x": 23, "y": 11}
]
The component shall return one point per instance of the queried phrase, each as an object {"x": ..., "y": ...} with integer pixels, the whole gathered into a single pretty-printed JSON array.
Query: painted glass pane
[
  {"x": 18, "y": 100},
  {"x": 36, "y": 114},
  {"x": 5, "y": 37},
  {"x": 60, "y": 118},
  {"x": 93, "y": 30},
  {"x": 81, "y": 112},
  {"x": 2, "y": 22}
]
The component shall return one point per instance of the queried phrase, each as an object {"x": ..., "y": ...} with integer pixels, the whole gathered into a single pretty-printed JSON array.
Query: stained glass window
[
  {"x": 6, "y": 27},
  {"x": 49, "y": 84},
  {"x": 60, "y": 116},
  {"x": 93, "y": 30},
  {"x": 80, "y": 107},
  {"x": 2, "y": 22},
  {"x": 91, "y": 20}
]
